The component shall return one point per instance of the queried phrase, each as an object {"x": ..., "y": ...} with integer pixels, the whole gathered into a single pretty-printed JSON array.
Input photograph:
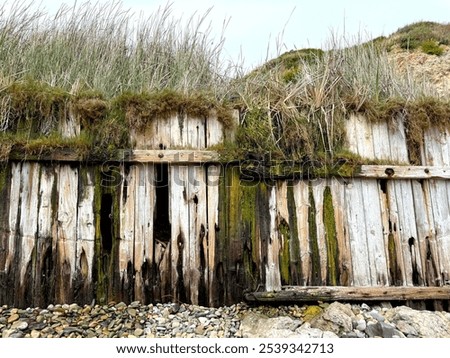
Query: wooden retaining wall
[{"x": 176, "y": 225}]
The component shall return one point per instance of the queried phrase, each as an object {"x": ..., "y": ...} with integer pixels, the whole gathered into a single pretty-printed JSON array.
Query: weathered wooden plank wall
[{"x": 206, "y": 234}]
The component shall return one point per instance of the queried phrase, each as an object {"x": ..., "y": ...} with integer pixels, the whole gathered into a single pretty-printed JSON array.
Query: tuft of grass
[{"x": 430, "y": 47}]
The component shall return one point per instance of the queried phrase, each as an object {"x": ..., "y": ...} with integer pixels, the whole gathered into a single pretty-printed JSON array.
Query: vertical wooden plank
[
  {"x": 127, "y": 232},
  {"x": 28, "y": 228},
  {"x": 318, "y": 187},
  {"x": 410, "y": 232},
  {"x": 66, "y": 232},
  {"x": 425, "y": 235},
  {"x": 284, "y": 231},
  {"x": 214, "y": 131},
  {"x": 13, "y": 227},
  {"x": 143, "y": 231},
  {"x": 436, "y": 149},
  {"x": 85, "y": 237},
  {"x": 272, "y": 267},
  {"x": 162, "y": 139},
  {"x": 440, "y": 201},
  {"x": 445, "y": 147},
  {"x": 69, "y": 125},
  {"x": 364, "y": 138},
  {"x": 5, "y": 188},
  {"x": 397, "y": 141},
  {"x": 431, "y": 148},
  {"x": 354, "y": 205},
  {"x": 374, "y": 233},
  {"x": 44, "y": 279},
  {"x": 387, "y": 236},
  {"x": 178, "y": 130},
  {"x": 179, "y": 218},
  {"x": 397, "y": 263},
  {"x": 350, "y": 131},
  {"x": 342, "y": 232},
  {"x": 213, "y": 178},
  {"x": 196, "y": 133},
  {"x": 301, "y": 194},
  {"x": 381, "y": 145},
  {"x": 404, "y": 218},
  {"x": 198, "y": 250}
]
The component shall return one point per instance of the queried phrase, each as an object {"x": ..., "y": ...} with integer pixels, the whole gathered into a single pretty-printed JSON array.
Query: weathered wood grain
[
  {"x": 340, "y": 293},
  {"x": 27, "y": 228},
  {"x": 401, "y": 217},
  {"x": 13, "y": 217},
  {"x": 213, "y": 181},
  {"x": 143, "y": 247},
  {"x": 185, "y": 156},
  {"x": 403, "y": 172},
  {"x": 272, "y": 267},
  {"x": 440, "y": 203},
  {"x": 354, "y": 205},
  {"x": 364, "y": 138},
  {"x": 425, "y": 235},
  {"x": 44, "y": 288},
  {"x": 85, "y": 247},
  {"x": 317, "y": 188},
  {"x": 67, "y": 183},
  {"x": 374, "y": 233},
  {"x": 436, "y": 148},
  {"x": 127, "y": 232},
  {"x": 397, "y": 140},
  {"x": 69, "y": 125},
  {"x": 301, "y": 195},
  {"x": 342, "y": 232},
  {"x": 179, "y": 218},
  {"x": 381, "y": 145},
  {"x": 214, "y": 131}
]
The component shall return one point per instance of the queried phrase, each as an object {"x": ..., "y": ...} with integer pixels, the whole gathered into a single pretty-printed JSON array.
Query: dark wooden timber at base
[{"x": 339, "y": 293}]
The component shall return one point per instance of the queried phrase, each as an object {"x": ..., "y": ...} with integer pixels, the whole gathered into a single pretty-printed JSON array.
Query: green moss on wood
[
  {"x": 294, "y": 243},
  {"x": 393, "y": 264},
  {"x": 331, "y": 238},
  {"x": 313, "y": 244},
  {"x": 248, "y": 222},
  {"x": 285, "y": 259}
]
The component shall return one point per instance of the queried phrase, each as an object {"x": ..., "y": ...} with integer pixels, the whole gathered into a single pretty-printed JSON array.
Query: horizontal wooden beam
[
  {"x": 340, "y": 293},
  {"x": 403, "y": 172},
  {"x": 176, "y": 156},
  {"x": 171, "y": 156}
]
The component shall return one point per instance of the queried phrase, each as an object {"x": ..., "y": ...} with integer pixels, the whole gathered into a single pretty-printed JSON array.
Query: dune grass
[{"x": 109, "y": 49}]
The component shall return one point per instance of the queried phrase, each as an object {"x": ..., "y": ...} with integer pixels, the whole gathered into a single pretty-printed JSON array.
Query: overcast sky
[{"x": 254, "y": 26}]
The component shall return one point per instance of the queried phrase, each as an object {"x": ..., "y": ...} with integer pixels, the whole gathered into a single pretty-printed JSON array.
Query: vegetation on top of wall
[
  {"x": 141, "y": 108},
  {"x": 33, "y": 113}
]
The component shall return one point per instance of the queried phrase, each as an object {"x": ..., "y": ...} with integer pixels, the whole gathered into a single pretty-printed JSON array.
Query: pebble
[{"x": 182, "y": 320}]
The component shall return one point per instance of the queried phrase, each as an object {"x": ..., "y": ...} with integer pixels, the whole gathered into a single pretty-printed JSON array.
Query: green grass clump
[{"x": 430, "y": 47}]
